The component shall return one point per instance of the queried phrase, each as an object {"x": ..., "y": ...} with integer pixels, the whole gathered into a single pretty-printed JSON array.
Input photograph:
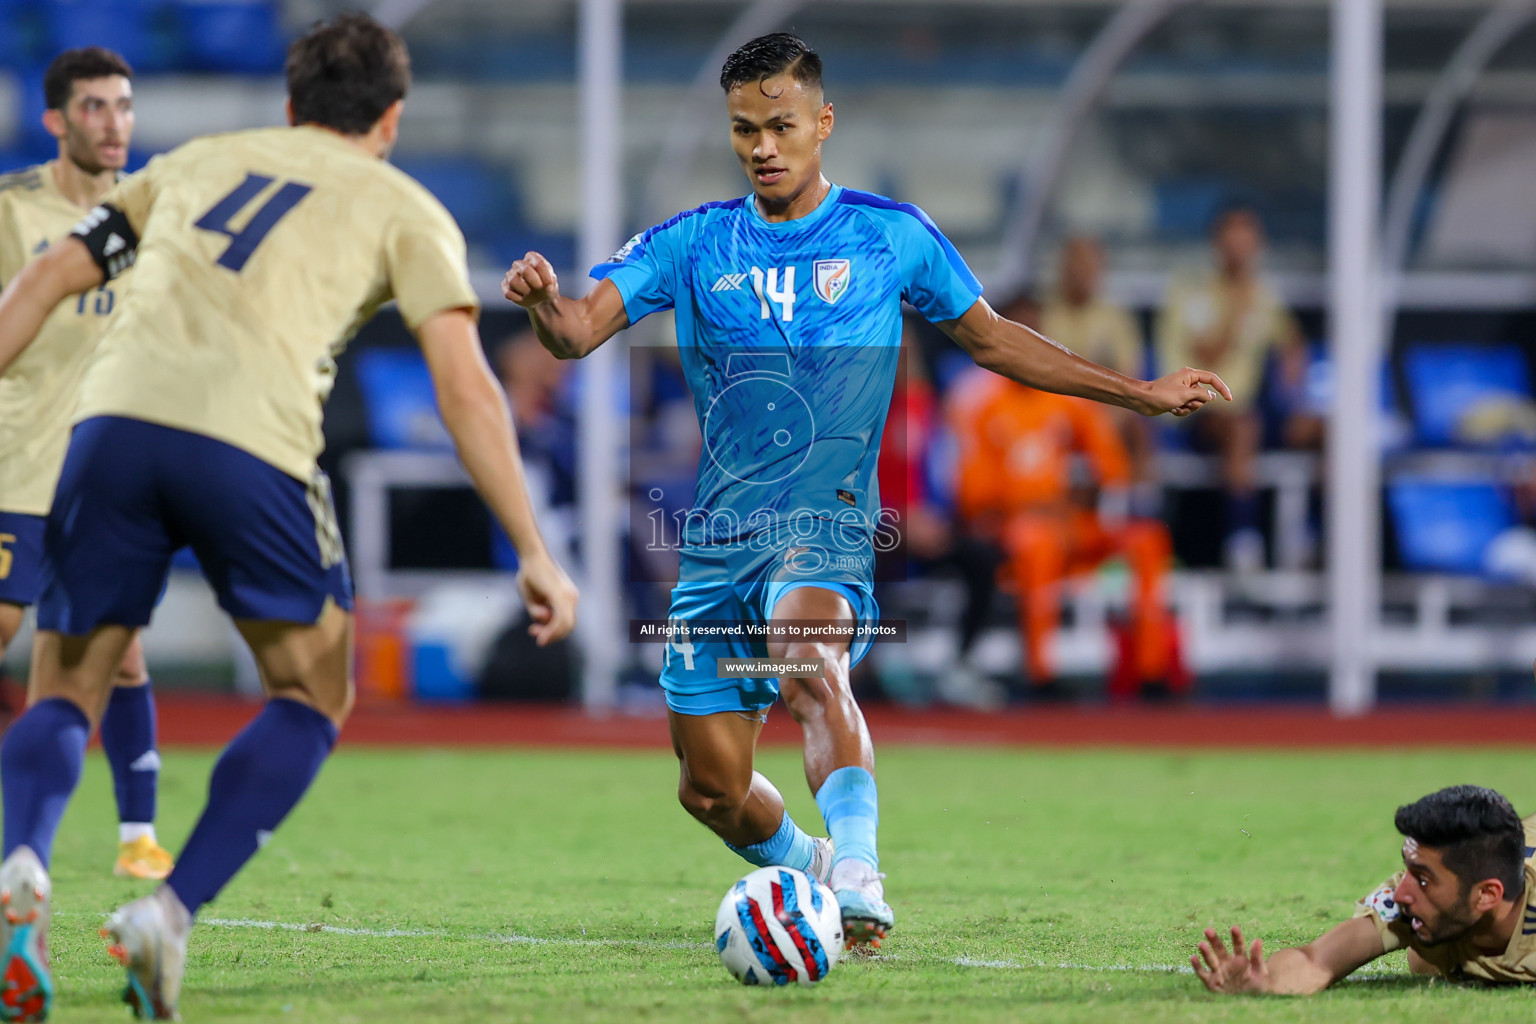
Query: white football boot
[
  {"x": 821, "y": 860},
  {"x": 26, "y": 991},
  {"x": 860, "y": 892},
  {"x": 149, "y": 938}
]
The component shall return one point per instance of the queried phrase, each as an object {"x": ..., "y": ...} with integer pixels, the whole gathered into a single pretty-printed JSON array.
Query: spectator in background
[
  {"x": 1015, "y": 487},
  {"x": 1077, "y": 316},
  {"x": 535, "y": 384},
  {"x": 928, "y": 539},
  {"x": 1231, "y": 320}
]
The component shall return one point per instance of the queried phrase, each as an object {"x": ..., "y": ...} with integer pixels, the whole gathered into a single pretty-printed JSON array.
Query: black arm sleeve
[{"x": 110, "y": 238}]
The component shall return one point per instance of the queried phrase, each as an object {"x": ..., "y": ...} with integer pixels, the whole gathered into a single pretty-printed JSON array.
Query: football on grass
[{"x": 778, "y": 926}]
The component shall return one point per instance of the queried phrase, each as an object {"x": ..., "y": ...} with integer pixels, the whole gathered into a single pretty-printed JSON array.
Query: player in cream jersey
[
  {"x": 37, "y": 393},
  {"x": 1462, "y": 956},
  {"x": 258, "y": 255},
  {"x": 89, "y": 107},
  {"x": 1464, "y": 906},
  {"x": 229, "y": 335}
]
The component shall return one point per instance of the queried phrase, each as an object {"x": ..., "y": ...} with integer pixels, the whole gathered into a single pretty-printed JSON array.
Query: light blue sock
[
  {"x": 851, "y": 809},
  {"x": 789, "y": 847}
]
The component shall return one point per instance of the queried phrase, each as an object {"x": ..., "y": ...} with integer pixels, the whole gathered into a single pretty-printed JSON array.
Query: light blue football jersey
[{"x": 789, "y": 335}]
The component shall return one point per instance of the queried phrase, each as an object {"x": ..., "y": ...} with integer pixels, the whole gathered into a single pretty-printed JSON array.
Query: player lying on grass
[
  {"x": 788, "y": 309},
  {"x": 1464, "y": 907},
  {"x": 259, "y": 253},
  {"x": 89, "y": 99}
]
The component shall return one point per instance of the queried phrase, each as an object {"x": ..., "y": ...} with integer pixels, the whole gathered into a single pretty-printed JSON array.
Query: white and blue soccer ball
[{"x": 778, "y": 926}]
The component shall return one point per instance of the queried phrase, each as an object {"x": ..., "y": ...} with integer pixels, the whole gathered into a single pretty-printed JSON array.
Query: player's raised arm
[
  {"x": 1298, "y": 971},
  {"x": 1018, "y": 353},
  {"x": 41, "y": 285},
  {"x": 474, "y": 409},
  {"x": 569, "y": 328}
]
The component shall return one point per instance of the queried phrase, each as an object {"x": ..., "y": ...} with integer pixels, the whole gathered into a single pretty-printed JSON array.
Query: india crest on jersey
[{"x": 832, "y": 278}]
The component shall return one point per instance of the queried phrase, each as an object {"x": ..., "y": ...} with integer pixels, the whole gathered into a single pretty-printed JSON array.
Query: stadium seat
[
  {"x": 559, "y": 248},
  {"x": 33, "y": 152},
  {"x": 1447, "y": 527},
  {"x": 140, "y": 30},
  {"x": 480, "y": 197},
  {"x": 1186, "y": 206},
  {"x": 399, "y": 401},
  {"x": 1294, "y": 215},
  {"x": 237, "y": 36},
  {"x": 485, "y": 200},
  {"x": 30, "y": 135},
  {"x": 18, "y": 32},
  {"x": 1448, "y": 382}
]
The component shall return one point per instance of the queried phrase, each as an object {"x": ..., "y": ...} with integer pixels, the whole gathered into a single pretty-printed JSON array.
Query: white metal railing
[
  {"x": 1220, "y": 634},
  {"x": 1217, "y": 635}
]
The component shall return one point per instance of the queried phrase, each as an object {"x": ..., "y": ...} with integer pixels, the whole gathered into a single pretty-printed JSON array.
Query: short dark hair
[
  {"x": 766, "y": 56},
  {"x": 1477, "y": 832},
  {"x": 344, "y": 73},
  {"x": 80, "y": 65}
]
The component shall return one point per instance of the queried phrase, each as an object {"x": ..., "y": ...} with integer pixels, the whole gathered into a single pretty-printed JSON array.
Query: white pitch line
[
  {"x": 1370, "y": 972},
  {"x": 1014, "y": 965},
  {"x": 372, "y": 933},
  {"x": 535, "y": 940},
  {"x": 409, "y": 933}
]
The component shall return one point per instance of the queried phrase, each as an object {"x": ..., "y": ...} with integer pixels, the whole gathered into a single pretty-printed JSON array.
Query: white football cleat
[
  {"x": 821, "y": 860},
  {"x": 26, "y": 990},
  {"x": 860, "y": 892},
  {"x": 149, "y": 938}
]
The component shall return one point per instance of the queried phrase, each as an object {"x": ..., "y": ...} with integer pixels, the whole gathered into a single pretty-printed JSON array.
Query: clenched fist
[{"x": 531, "y": 281}]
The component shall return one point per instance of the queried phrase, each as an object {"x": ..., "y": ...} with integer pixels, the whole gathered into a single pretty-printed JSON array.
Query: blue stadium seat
[
  {"x": 1446, "y": 381},
  {"x": 1294, "y": 214},
  {"x": 18, "y": 32},
  {"x": 31, "y": 135},
  {"x": 33, "y": 152},
  {"x": 517, "y": 240},
  {"x": 138, "y": 29},
  {"x": 237, "y": 36},
  {"x": 398, "y": 399},
  {"x": 480, "y": 197},
  {"x": 1186, "y": 206},
  {"x": 951, "y": 363},
  {"x": 1447, "y": 527}
]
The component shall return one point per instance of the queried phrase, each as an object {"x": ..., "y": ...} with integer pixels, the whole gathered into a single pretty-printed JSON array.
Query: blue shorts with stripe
[
  {"x": 132, "y": 493},
  {"x": 689, "y": 677},
  {"x": 21, "y": 557}
]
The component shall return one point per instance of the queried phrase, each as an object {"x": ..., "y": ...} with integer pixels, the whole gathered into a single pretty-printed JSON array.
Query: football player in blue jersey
[{"x": 788, "y": 306}]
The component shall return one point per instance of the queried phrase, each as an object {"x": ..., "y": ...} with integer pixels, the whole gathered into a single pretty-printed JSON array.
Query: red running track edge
[{"x": 212, "y": 721}]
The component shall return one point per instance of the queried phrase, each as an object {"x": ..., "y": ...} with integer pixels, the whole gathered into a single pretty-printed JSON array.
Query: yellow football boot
[{"x": 142, "y": 858}]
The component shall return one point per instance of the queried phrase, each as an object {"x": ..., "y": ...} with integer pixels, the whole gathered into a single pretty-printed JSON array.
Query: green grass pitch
[{"x": 569, "y": 886}]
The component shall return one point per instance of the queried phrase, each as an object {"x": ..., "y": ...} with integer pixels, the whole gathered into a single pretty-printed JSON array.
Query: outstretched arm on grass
[{"x": 1298, "y": 971}]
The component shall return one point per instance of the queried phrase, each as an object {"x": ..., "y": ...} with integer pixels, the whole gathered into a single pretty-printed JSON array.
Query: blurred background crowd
[{"x": 1154, "y": 207}]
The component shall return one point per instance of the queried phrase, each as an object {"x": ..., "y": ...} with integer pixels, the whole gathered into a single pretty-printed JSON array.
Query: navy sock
[
  {"x": 128, "y": 737},
  {"x": 260, "y": 777},
  {"x": 40, "y": 762}
]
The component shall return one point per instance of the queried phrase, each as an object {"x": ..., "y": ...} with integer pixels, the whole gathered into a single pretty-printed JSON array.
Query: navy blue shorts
[
  {"x": 132, "y": 493},
  {"x": 21, "y": 557}
]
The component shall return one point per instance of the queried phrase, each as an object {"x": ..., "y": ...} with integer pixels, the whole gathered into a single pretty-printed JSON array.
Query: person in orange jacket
[{"x": 1015, "y": 486}]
